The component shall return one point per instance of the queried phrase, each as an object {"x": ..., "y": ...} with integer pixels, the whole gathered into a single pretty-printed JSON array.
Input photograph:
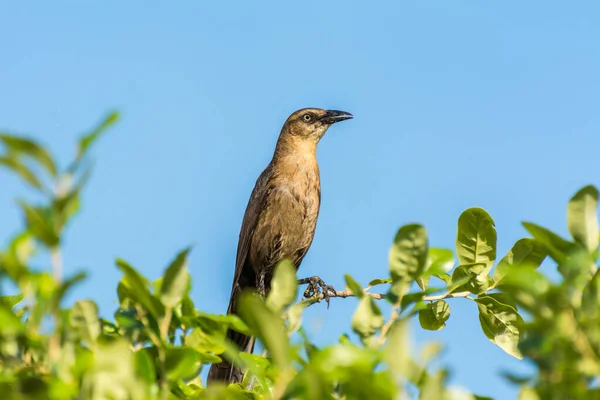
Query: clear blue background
[{"x": 456, "y": 103}]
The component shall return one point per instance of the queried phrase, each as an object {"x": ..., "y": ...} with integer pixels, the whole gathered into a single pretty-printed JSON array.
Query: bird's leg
[{"x": 317, "y": 286}]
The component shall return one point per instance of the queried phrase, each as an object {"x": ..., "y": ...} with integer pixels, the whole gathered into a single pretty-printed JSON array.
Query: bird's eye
[{"x": 307, "y": 117}]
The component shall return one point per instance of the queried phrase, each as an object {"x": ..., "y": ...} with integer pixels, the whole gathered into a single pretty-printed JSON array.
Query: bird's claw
[{"x": 316, "y": 286}]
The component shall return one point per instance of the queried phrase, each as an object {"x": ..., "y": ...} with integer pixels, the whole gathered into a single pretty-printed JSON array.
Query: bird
[{"x": 280, "y": 218}]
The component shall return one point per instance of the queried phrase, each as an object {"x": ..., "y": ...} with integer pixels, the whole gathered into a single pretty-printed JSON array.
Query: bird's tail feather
[{"x": 225, "y": 371}]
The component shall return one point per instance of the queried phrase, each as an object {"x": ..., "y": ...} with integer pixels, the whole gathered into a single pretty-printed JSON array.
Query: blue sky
[{"x": 457, "y": 104}]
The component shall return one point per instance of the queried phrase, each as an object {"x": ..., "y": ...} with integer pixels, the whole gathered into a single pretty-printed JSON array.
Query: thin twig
[{"x": 380, "y": 296}]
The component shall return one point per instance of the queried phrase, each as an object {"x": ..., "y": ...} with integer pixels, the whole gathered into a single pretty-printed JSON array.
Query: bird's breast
[{"x": 287, "y": 223}]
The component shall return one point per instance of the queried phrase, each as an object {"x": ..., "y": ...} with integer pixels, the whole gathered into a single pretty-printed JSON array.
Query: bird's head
[{"x": 312, "y": 123}]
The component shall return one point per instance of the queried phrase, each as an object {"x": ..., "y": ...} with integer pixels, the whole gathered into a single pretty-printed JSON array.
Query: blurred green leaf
[
  {"x": 433, "y": 386},
  {"x": 206, "y": 342},
  {"x": 9, "y": 322},
  {"x": 434, "y": 317},
  {"x": 11, "y": 301},
  {"x": 294, "y": 315},
  {"x": 284, "y": 286},
  {"x": 144, "y": 367},
  {"x": 582, "y": 218},
  {"x": 66, "y": 285},
  {"x": 257, "y": 365},
  {"x": 557, "y": 247},
  {"x": 439, "y": 263},
  {"x": 176, "y": 280},
  {"x": 528, "y": 393},
  {"x": 354, "y": 287},
  {"x": 397, "y": 352},
  {"x": 216, "y": 323},
  {"x": 590, "y": 299},
  {"x": 379, "y": 281},
  {"x": 22, "y": 171},
  {"x": 137, "y": 288},
  {"x": 408, "y": 254},
  {"x": 500, "y": 322},
  {"x": 267, "y": 326},
  {"x": 87, "y": 140},
  {"x": 84, "y": 320},
  {"x": 526, "y": 252},
  {"x": 476, "y": 238},
  {"x": 430, "y": 351},
  {"x": 40, "y": 224},
  {"x": 367, "y": 319},
  {"x": 182, "y": 363},
  {"x": 65, "y": 207},
  {"x": 528, "y": 287},
  {"x": 113, "y": 374},
  {"x": 23, "y": 146}
]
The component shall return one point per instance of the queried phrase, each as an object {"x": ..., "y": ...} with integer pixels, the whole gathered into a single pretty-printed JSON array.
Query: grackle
[{"x": 280, "y": 217}]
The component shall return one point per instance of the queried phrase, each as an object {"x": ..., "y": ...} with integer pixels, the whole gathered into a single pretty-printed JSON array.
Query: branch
[{"x": 317, "y": 297}]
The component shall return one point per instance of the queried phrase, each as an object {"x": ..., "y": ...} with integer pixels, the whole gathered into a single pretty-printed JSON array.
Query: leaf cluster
[{"x": 157, "y": 342}]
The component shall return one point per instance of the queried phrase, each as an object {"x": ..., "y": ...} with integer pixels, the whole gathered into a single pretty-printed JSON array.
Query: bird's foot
[{"x": 315, "y": 287}]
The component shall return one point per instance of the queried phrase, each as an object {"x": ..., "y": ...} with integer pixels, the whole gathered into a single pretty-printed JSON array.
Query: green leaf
[
  {"x": 210, "y": 322},
  {"x": 294, "y": 315},
  {"x": 114, "y": 363},
  {"x": 477, "y": 280},
  {"x": 40, "y": 224},
  {"x": 528, "y": 393},
  {"x": 22, "y": 170},
  {"x": 430, "y": 351},
  {"x": 65, "y": 207},
  {"x": 379, "y": 281},
  {"x": 9, "y": 322},
  {"x": 257, "y": 365},
  {"x": 24, "y": 146},
  {"x": 84, "y": 320},
  {"x": 86, "y": 141},
  {"x": 206, "y": 341},
  {"x": 144, "y": 366},
  {"x": 176, "y": 280},
  {"x": 137, "y": 289},
  {"x": 434, "y": 317},
  {"x": 11, "y": 301},
  {"x": 268, "y": 327},
  {"x": 354, "y": 287},
  {"x": 439, "y": 262},
  {"x": 476, "y": 238},
  {"x": 183, "y": 363},
  {"x": 397, "y": 352},
  {"x": 557, "y": 247},
  {"x": 525, "y": 252},
  {"x": 500, "y": 322},
  {"x": 433, "y": 386},
  {"x": 582, "y": 218},
  {"x": 367, "y": 319},
  {"x": 284, "y": 286},
  {"x": 590, "y": 300},
  {"x": 408, "y": 254}
]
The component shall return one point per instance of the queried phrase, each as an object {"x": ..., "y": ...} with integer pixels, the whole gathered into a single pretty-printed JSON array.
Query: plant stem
[
  {"x": 56, "y": 260},
  {"x": 379, "y": 296},
  {"x": 54, "y": 340}
]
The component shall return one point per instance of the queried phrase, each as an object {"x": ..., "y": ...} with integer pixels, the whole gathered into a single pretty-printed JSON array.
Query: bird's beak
[{"x": 333, "y": 116}]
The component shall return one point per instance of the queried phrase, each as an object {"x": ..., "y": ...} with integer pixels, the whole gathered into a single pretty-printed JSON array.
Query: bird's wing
[{"x": 253, "y": 210}]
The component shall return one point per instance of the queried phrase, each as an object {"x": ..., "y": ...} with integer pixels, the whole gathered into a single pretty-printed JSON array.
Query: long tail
[{"x": 225, "y": 371}]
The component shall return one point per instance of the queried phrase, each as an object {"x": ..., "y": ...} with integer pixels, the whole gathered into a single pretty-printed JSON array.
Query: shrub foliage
[{"x": 157, "y": 342}]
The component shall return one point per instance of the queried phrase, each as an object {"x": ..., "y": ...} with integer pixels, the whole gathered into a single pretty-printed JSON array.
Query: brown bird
[{"x": 280, "y": 217}]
